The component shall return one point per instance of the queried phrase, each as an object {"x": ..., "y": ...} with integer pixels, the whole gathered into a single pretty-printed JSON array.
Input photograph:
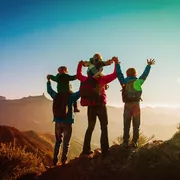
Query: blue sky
[{"x": 36, "y": 37}]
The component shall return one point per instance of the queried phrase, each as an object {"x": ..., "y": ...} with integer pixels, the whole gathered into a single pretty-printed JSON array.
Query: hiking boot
[
  {"x": 125, "y": 144},
  {"x": 105, "y": 154},
  {"x": 55, "y": 160},
  {"x": 63, "y": 163},
  {"x": 76, "y": 110},
  {"x": 134, "y": 145},
  {"x": 86, "y": 153}
]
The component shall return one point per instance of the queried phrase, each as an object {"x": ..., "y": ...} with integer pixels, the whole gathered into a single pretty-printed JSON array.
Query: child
[
  {"x": 63, "y": 85},
  {"x": 63, "y": 118},
  {"x": 131, "y": 95},
  {"x": 95, "y": 65}
]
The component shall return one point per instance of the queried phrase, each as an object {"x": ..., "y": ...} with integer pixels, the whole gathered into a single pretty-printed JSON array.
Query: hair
[
  {"x": 98, "y": 54},
  {"x": 62, "y": 68},
  {"x": 131, "y": 72}
]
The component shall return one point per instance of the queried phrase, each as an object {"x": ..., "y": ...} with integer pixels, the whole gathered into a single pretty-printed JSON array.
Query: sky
[{"x": 38, "y": 36}]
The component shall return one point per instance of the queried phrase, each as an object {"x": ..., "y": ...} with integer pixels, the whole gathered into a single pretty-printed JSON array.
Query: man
[{"x": 63, "y": 118}]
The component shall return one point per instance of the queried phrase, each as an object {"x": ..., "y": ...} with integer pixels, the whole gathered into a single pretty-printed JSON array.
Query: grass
[{"x": 16, "y": 162}]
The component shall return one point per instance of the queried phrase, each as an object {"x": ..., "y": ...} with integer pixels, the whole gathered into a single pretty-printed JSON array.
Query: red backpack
[{"x": 90, "y": 92}]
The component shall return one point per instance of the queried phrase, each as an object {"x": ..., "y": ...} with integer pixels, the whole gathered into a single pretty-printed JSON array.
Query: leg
[
  {"x": 127, "y": 123},
  {"x": 91, "y": 124},
  {"x": 67, "y": 131},
  {"x": 76, "y": 107},
  {"x": 103, "y": 118},
  {"x": 58, "y": 134},
  {"x": 136, "y": 122}
]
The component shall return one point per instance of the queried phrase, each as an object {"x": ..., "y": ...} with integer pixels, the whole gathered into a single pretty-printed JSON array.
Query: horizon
[{"x": 116, "y": 105}]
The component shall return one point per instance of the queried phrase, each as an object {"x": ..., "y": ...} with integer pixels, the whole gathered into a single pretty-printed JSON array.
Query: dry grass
[{"x": 15, "y": 162}]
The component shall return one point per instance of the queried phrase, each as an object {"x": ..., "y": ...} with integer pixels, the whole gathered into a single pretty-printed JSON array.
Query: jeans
[
  {"x": 131, "y": 112},
  {"x": 101, "y": 113},
  {"x": 63, "y": 133}
]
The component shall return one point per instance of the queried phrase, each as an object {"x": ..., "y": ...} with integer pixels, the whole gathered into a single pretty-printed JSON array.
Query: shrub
[{"x": 15, "y": 162}]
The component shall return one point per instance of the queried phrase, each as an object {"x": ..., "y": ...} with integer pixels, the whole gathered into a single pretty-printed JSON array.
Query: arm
[
  {"x": 79, "y": 73},
  {"x": 147, "y": 69},
  {"x": 145, "y": 73},
  {"x": 107, "y": 62},
  {"x": 50, "y": 91},
  {"x": 75, "y": 96},
  {"x": 71, "y": 78},
  {"x": 120, "y": 74},
  {"x": 110, "y": 77},
  {"x": 53, "y": 78}
]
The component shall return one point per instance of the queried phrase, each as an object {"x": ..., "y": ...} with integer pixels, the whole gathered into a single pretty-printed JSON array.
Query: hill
[
  {"x": 154, "y": 161},
  {"x": 41, "y": 143},
  {"x": 36, "y": 145}
]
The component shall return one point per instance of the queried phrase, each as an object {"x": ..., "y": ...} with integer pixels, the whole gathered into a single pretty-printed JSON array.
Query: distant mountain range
[{"x": 35, "y": 113}]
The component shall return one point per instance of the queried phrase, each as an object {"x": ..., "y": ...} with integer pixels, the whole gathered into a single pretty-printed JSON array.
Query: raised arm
[
  {"x": 50, "y": 91},
  {"x": 120, "y": 75},
  {"x": 71, "y": 78},
  {"x": 79, "y": 72},
  {"x": 53, "y": 78},
  {"x": 147, "y": 69},
  {"x": 110, "y": 77}
]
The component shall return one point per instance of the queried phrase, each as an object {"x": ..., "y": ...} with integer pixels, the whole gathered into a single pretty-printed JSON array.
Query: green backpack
[{"x": 131, "y": 91}]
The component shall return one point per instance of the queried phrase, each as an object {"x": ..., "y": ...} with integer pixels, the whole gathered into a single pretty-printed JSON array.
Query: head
[
  {"x": 131, "y": 72},
  {"x": 63, "y": 70},
  {"x": 97, "y": 58}
]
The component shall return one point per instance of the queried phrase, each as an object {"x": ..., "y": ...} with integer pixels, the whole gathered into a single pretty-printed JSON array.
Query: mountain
[
  {"x": 35, "y": 113},
  {"x": 32, "y": 144}
]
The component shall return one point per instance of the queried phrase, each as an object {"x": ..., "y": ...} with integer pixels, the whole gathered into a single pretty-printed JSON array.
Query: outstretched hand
[
  {"x": 115, "y": 59},
  {"x": 81, "y": 62},
  {"x": 150, "y": 62},
  {"x": 48, "y": 77}
]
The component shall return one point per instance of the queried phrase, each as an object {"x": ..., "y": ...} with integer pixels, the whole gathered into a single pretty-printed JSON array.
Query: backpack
[
  {"x": 129, "y": 93},
  {"x": 90, "y": 92},
  {"x": 60, "y": 105}
]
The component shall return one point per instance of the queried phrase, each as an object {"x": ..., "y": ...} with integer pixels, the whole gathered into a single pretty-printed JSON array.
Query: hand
[
  {"x": 81, "y": 62},
  {"x": 84, "y": 63},
  {"x": 48, "y": 77},
  {"x": 150, "y": 62},
  {"x": 115, "y": 59}
]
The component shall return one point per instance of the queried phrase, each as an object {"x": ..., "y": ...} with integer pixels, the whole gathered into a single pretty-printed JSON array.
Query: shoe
[
  {"x": 104, "y": 154},
  {"x": 86, "y": 153},
  {"x": 55, "y": 160},
  {"x": 125, "y": 144},
  {"x": 63, "y": 163},
  {"x": 76, "y": 110},
  {"x": 134, "y": 145}
]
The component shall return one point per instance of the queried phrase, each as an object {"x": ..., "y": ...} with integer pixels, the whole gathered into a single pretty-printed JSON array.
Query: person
[
  {"x": 131, "y": 95},
  {"x": 95, "y": 65},
  {"x": 95, "y": 107},
  {"x": 63, "y": 82},
  {"x": 63, "y": 118}
]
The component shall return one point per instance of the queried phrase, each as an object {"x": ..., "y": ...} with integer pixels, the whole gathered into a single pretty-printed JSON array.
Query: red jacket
[{"x": 103, "y": 80}]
